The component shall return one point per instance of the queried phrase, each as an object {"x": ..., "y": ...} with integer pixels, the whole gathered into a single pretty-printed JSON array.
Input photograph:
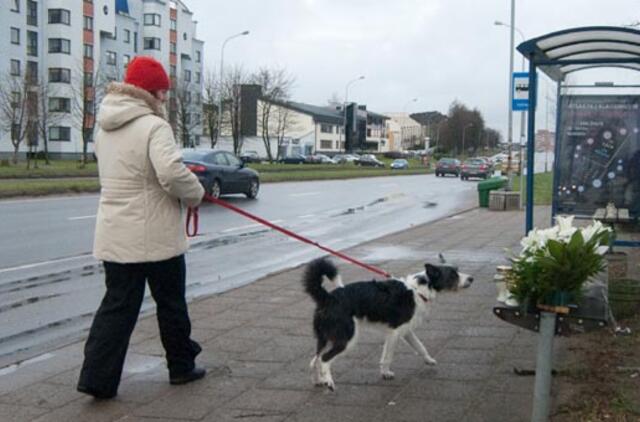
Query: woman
[{"x": 139, "y": 232}]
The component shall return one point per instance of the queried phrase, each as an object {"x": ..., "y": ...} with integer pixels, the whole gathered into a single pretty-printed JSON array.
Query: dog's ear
[
  {"x": 432, "y": 271},
  {"x": 442, "y": 260}
]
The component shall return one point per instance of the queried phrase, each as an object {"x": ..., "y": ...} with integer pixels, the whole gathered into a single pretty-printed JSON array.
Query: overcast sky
[{"x": 435, "y": 50}]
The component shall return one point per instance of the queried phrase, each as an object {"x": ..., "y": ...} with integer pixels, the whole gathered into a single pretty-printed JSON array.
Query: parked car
[
  {"x": 294, "y": 159},
  {"x": 369, "y": 160},
  {"x": 222, "y": 173},
  {"x": 448, "y": 166},
  {"x": 345, "y": 158},
  {"x": 400, "y": 164},
  {"x": 475, "y": 167},
  {"x": 319, "y": 159},
  {"x": 250, "y": 157},
  {"x": 499, "y": 158}
]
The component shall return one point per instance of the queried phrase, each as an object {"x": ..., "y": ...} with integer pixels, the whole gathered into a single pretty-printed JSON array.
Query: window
[
  {"x": 198, "y": 77},
  {"x": 87, "y": 23},
  {"x": 88, "y": 79},
  {"x": 198, "y": 56},
  {"x": 15, "y": 67},
  {"x": 60, "y": 105},
  {"x": 89, "y": 106},
  {"x": 88, "y": 51},
  {"x": 326, "y": 128},
  {"x": 59, "y": 74},
  {"x": 15, "y": 6},
  {"x": 59, "y": 45},
  {"x": 172, "y": 48},
  {"x": 187, "y": 97},
  {"x": 112, "y": 58},
  {"x": 151, "y": 43},
  {"x": 151, "y": 19},
  {"x": 187, "y": 75},
  {"x": 16, "y": 98},
  {"x": 60, "y": 133},
  {"x": 32, "y": 13},
  {"x": 198, "y": 98},
  {"x": 187, "y": 118},
  {"x": 60, "y": 16},
  {"x": 127, "y": 36},
  {"x": 32, "y": 72},
  {"x": 324, "y": 144},
  {"x": 15, "y": 36},
  {"x": 126, "y": 59},
  {"x": 174, "y": 25},
  {"x": 32, "y": 43},
  {"x": 172, "y": 70}
]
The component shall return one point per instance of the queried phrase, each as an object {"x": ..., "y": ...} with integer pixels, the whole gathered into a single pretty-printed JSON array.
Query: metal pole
[
  {"x": 222, "y": 78},
  {"x": 544, "y": 360},
  {"x": 523, "y": 115},
  {"x": 533, "y": 94},
  {"x": 510, "y": 124}
]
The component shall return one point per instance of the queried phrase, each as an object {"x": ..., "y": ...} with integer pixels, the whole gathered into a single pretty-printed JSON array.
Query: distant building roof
[{"x": 428, "y": 117}]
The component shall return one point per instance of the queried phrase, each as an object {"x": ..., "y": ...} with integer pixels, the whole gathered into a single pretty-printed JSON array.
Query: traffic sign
[{"x": 520, "y": 86}]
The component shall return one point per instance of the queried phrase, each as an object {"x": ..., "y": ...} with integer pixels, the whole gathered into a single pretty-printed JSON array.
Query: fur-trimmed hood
[{"x": 124, "y": 103}]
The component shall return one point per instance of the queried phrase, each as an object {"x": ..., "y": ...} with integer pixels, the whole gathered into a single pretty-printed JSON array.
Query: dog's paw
[
  {"x": 430, "y": 361},
  {"x": 388, "y": 375},
  {"x": 330, "y": 385}
]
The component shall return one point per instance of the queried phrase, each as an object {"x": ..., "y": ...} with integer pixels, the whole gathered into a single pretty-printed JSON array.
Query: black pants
[{"x": 106, "y": 347}]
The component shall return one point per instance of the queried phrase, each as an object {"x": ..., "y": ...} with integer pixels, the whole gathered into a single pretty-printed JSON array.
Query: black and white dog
[{"x": 395, "y": 305}]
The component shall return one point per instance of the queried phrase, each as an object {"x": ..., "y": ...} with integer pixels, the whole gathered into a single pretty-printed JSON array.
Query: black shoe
[
  {"x": 95, "y": 393},
  {"x": 195, "y": 374}
]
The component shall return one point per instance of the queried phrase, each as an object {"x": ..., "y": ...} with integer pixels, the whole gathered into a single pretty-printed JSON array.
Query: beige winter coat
[{"x": 143, "y": 180}]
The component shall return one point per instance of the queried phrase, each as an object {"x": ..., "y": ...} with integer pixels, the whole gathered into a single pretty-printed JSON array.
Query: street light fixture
[
  {"x": 404, "y": 109},
  {"x": 346, "y": 100},
  {"x": 222, "y": 76},
  {"x": 463, "y": 134}
]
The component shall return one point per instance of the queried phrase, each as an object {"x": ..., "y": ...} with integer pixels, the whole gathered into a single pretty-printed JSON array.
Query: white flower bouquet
[{"x": 555, "y": 263}]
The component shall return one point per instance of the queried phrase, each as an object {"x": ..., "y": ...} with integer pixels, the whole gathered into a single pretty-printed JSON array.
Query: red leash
[{"x": 192, "y": 230}]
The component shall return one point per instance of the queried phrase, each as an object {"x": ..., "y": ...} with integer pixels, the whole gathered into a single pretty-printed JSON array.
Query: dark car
[
  {"x": 448, "y": 166},
  {"x": 319, "y": 159},
  {"x": 294, "y": 159},
  {"x": 221, "y": 172},
  {"x": 369, "y": 160},
  {"x": 250, "y": 157},
  {"x": 475, "y": 167}
]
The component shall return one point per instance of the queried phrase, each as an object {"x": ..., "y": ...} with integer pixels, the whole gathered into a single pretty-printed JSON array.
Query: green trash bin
[{"x": 487, "y": 186}]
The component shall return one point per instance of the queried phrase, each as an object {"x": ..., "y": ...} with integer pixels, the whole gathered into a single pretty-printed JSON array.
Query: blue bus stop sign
[{"x": 520, "y": 86}]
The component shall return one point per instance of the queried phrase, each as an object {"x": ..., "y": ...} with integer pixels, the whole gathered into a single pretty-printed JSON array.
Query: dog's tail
[{"x": 313, "y": 279}]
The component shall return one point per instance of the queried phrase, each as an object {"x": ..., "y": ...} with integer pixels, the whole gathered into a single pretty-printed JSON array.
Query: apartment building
[
  {"x": 404, "y": 132},
  {"x": 76, "y": 47}
]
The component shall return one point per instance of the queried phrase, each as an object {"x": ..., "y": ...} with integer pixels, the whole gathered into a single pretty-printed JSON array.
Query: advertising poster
[{"x": 598, "y": 159}]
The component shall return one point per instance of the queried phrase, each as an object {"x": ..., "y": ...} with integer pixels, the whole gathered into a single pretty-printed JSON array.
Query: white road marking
[
  {"x": 304, "y": 194},
  {"x": 56, "y": 198},
  {"x": 84, "y": 217},
  {"x": 307, "y": 216},
  {"x": 249, "y": 226},
  {"x": 38, "y": 264},
  {"x": 14, "y": 367}
]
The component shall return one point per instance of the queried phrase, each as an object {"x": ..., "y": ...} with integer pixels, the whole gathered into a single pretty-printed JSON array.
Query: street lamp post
[
  {"x": 463, "y": 134},
  {"x": 346, "y": 100},
  {"x": 222, "y": 76},
  {"x": 522, "y": 117}
]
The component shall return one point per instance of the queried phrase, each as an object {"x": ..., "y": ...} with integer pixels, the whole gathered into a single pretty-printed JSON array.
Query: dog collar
[{"x": 423, "y": 298}]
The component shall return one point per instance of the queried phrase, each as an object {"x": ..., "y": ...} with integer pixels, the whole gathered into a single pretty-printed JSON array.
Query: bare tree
[
  {"x": 185, "y": 120},
  {"x": 210, "y": 105},
  {"x": 47, "y": 115},
  {"x": 88, "y": 90},
  {"x": 231, "y": 93},
  {"x": 285, "y": 120},
  {"x": 14, "y": 111},
  {"x": 276, "y": 88}
]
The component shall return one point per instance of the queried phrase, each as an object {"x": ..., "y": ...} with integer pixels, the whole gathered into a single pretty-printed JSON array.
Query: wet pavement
[{"x": 258, "y": 342}]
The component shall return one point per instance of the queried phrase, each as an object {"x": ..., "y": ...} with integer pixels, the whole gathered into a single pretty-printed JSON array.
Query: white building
[
  {"x": 404, "y": 132},
  {"x": 76, "y": 46}
]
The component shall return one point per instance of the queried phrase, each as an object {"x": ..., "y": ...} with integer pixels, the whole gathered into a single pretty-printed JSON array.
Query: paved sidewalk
[{"x": 258, "y": 342}]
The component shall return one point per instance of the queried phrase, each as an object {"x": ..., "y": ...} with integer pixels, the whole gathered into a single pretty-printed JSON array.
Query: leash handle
[
  {"x": 192, "y": 221},
  {"x": 289, "y": 233}
]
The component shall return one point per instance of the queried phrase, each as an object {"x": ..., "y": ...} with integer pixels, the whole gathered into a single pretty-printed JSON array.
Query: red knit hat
[{"x": 147, "y": 73}]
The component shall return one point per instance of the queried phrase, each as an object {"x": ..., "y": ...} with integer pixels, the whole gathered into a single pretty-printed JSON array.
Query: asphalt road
[{"x": 50, "y": 285}]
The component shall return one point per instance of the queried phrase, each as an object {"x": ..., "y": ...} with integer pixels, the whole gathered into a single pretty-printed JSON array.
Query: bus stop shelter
[{"x": 603, "y": 162}]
